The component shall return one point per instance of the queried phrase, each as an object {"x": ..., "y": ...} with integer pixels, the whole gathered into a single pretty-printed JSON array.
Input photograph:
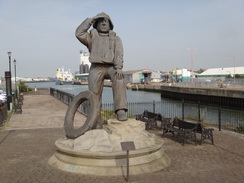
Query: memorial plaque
[{"x": 128, "y": 146}]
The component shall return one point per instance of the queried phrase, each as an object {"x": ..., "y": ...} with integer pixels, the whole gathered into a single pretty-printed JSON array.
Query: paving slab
[{"x": 27, "y": 143}]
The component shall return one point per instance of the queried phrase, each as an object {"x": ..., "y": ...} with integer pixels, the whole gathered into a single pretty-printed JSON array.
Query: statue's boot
[
  {"x": 99, "y": 123},
  {"x": 121, "y": 115}
]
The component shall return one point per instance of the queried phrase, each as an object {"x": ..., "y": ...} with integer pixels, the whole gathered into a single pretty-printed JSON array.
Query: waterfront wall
[
  {"x": 229, "y": 98},
  {"x": 147, "y": 87},
  {"x": 220, "y": 92},
  {"x": 225, "y": 97}
]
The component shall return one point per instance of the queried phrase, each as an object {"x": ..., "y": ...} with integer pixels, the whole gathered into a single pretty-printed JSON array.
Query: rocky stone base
[{"x": 99, "y": 152}]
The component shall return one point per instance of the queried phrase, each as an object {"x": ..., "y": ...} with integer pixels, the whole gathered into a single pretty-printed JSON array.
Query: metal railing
[
  {"x": 218, "y": 116},
  {"x": 67, "y": 98},
  {"x": 3, "y": 114}
]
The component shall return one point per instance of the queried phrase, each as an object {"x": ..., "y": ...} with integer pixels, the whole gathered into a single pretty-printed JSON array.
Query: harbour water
[
  {"x": 167, "y": 107},
  {"x": 132, "y": 96}
]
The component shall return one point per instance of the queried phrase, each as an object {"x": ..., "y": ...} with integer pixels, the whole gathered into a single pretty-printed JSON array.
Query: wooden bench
[
  {"x": 17, "y": 109},
  {"x": 206, "y": 133},
  {"x": 20, "y": 101},
  {"x": 21, "y": 96},
  {"x": 187, "y": 130},
  {"x": 151, "y": 119}
]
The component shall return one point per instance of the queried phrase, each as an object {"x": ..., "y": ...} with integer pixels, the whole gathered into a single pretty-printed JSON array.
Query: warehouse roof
[{"x": 223, "y": 71}]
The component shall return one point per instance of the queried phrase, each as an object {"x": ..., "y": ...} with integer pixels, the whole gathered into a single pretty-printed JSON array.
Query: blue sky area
[{"x": 155, "y": 34}]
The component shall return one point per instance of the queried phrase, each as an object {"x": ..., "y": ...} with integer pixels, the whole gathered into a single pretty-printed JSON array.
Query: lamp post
[
  {"x": 9, "y": 56},
  {"x": 234, "y": 69},
  {"x": 15, "y": 75},
  {"x": 9, "y": 84}
]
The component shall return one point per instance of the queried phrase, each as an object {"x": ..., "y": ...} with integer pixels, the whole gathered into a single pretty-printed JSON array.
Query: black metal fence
[
  {"x": 218, "y": 116},
  {"x": 3, "y": 114},
  {"x": 67, "y": 98}
]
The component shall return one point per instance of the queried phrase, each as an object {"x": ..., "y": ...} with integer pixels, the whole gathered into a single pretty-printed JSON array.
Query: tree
[
  {"x": 200, "y": 71},
  {"x": 239, "y": 76},
  {"x": 23, "y": 87}
]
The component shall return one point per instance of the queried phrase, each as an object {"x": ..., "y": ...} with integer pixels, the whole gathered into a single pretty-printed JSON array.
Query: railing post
[
  {"x": 154, "y": 106},
  {"x": 183, "y": 109},
  {"x": 219, "y": 111},
  {"x": 199, "y": 112}
]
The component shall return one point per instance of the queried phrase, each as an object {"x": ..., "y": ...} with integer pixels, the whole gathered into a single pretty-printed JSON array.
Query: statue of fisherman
[{"x": 106, "y": 57}]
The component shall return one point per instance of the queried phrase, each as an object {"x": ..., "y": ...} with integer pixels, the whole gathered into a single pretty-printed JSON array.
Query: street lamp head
[
  {"x": 14, "y": 62},
  {"x": 9, "y": 54}
]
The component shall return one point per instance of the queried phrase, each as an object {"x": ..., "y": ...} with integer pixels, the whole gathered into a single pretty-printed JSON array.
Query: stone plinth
[{"x": 98, "y": 152}]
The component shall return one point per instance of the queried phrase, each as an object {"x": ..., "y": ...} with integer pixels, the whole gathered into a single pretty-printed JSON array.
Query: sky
[{"x": 155, "y": 33}]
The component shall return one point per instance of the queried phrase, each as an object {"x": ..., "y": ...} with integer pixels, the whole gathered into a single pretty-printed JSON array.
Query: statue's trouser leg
[
  {"x": 99, "y": 72},
  {"x": 95, "y": 84},
  {"x": 119, "y": 91}
]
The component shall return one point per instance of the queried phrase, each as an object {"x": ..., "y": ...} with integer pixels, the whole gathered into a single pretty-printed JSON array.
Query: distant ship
[{"x": 63, "y": 77}]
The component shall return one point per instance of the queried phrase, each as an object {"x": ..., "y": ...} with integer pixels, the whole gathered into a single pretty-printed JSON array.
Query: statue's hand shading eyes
[{"x": 119, "y": 74}]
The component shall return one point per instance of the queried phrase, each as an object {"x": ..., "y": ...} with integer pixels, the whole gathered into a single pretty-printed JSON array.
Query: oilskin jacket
[{"x": 104, "y": 49}]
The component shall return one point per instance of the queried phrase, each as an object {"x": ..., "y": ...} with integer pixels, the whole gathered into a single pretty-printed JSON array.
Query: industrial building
[
  {"x": 182, "y": 75},
  {"x": 142, "y": 76},
  {"x": 222, "y": 72}
]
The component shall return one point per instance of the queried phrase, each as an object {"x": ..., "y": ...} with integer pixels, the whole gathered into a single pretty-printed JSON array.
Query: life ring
[{"x": 92, "y": 117}]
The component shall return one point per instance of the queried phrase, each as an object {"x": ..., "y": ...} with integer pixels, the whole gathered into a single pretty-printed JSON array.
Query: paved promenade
[{"x": 27, "y": 142}]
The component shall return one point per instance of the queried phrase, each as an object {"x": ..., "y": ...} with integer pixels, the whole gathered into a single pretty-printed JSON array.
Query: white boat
[{"x": 64, "y": 77}]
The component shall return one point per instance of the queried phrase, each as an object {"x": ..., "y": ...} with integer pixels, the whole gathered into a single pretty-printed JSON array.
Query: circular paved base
[{"x": 141, "y": 161}]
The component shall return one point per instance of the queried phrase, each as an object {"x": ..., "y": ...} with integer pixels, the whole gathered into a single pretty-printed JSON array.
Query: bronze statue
[{"x": 106, "y": 57}]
